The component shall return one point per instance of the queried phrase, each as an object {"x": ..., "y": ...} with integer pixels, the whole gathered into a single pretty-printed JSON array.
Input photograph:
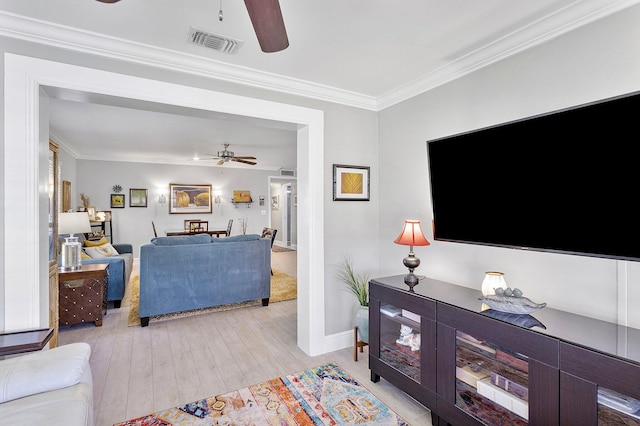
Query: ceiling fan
[
  {"x": 266, "y": 18},
  {"x": 225, "y": 156}
]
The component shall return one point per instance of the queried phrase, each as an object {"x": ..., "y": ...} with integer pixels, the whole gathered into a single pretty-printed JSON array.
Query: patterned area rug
[
  {"x": 324, "y": 395},
  {"x": 283, "y": 287}
]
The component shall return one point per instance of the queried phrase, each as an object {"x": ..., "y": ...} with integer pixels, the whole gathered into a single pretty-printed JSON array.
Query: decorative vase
[
  {"x": 492, "y": 280},
  {"x": 362, "y": 322}
]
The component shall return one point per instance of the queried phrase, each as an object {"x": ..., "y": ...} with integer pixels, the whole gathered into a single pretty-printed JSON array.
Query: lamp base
[
  {"x": 71, "y": 254},
  {"x": 411, "y": 280}
]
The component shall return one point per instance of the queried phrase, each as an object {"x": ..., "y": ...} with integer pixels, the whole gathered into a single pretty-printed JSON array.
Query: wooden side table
[
  {"x": 24, "y": 341},
  {"x": 83, "y": 293}
]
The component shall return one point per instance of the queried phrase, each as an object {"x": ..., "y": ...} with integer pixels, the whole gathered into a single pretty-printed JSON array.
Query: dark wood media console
[{"x": 475, "y": 366}]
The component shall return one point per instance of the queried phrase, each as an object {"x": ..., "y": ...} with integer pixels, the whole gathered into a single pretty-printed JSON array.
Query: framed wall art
[
  {"x": 66, "y": 196},
  {"x": 351, "y": 183},
  {"x": 137, "y": 197},
  {"x": 117, "y": 201},
  {"x": 185, "y": 198},
  {"x": 275, "y": 202}
]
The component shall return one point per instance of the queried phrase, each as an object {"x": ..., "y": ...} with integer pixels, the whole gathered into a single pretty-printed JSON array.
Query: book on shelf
[
  {"x": 410, "y": 315},
  {"x": 469, "y": 375},
  {"x": 503, "y": 398},
  {"x": 390, "y": 310},
  {"x": 511, "y": 386},
  {"x": 512, "y": 360}
]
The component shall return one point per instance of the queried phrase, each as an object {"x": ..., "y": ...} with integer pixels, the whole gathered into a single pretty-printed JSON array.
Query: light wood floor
[{"x": 138, "y": 371}]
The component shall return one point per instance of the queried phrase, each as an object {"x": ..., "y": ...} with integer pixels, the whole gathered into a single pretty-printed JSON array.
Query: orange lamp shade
[{"x": 412, "y": 235}]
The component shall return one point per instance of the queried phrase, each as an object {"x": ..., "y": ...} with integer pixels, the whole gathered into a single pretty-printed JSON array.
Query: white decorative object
[
  {"x": 409, "y": 338},
  {"x": 492, "y": 280}
]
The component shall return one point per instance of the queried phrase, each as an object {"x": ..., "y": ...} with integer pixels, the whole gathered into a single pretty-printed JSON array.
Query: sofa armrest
[
  {"x": 123, "y": 248},
  {"x": 43, "y": 371}
]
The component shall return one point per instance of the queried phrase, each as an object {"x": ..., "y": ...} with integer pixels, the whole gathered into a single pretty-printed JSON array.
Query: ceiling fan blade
[
  {"x": 243, "y": 161},
  {"x": 108, "y": 1},
  {"x": 245, "y": 157},
  {"x": 266, "y": 18},
  {"x": 220, "y": 162}
]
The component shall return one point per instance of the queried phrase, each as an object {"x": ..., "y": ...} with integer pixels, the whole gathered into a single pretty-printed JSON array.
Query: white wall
[{"x": 595, "y": 62}]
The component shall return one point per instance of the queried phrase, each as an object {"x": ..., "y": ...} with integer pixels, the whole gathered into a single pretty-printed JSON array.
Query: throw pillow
[
  {"x": 84, "y": 255},
  {"x": 100, "y": 242},
  {"x": 105, "y": 250}
]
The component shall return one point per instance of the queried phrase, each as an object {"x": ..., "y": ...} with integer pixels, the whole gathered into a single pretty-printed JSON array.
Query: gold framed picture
[
  {"x": 117, "y": 201},
  {"x": 351, "y": 183},
  {"x": 185, "y": 199}
]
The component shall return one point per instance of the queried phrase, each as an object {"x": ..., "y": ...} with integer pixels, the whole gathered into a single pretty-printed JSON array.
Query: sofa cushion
[
  {"x": 100, "y": 242},
  {"x": 181, "y": 240},
  {"x": 247, "y": 237},
  {"x": 54, "y": 369},
  {"x": 104, "y": 250}
]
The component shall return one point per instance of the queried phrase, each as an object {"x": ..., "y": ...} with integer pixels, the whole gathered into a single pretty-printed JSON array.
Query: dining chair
[
  {"x": 229, "y": 227},
  {"x": 271, "y": 234},
  {"x": 155, "y": 234}
]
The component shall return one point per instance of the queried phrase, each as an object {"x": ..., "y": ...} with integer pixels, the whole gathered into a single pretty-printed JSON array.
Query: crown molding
[
  {"x": 574, "y": 15},
  {"x": 50, "y": 34}
]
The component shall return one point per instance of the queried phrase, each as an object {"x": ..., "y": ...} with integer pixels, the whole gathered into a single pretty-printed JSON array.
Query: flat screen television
[{"x": 565, "y": 182}]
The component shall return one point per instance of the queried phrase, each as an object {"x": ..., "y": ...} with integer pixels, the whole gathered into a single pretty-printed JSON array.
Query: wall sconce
[
  {"x": 217, "y": 194},
  {"x": 162, "y": 199}
]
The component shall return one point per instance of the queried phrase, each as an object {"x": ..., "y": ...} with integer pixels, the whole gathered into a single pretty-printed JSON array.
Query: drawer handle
[{"x": 73, "y": 284}]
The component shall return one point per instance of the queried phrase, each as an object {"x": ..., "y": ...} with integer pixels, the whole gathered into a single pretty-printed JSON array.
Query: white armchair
[{"x": 52, "y": 387}]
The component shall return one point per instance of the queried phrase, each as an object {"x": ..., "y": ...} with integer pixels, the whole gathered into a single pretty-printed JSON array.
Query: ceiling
[{"x": 364, "y": 53}]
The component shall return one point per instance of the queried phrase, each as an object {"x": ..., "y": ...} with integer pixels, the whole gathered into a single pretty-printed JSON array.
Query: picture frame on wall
[
  {"x": 117, "y": 201},
  {"x": 66, "y": 196},
  {"x": 351, "y": 183},
  {"x": 187, "y": 198},
  {"x": 275, "y": 202},
  {"x": 138, "y": 197}
]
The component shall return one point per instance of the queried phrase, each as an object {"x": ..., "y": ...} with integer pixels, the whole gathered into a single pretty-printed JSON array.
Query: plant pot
[{"x": 362, "y": 322}]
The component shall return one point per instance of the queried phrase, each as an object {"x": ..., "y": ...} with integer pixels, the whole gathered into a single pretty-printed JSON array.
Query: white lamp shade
[
  {"x": 492, "y": 280},
  {"x": 73, "y": 223}
]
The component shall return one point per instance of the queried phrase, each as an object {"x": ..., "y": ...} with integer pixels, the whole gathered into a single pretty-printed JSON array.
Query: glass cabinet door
[
  {"x": 400, "y": 340},
  {"x": 491, "y": 381}
]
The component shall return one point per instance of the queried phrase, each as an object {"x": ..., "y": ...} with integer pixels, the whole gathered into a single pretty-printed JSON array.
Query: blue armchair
[{"x": 120, "y": 268}]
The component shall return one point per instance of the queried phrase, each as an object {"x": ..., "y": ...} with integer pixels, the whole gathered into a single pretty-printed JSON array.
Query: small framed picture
[
  {"x": 117, "y": 201},
  {"x": 137, "y": 197},
  {"x": 275, "y": 202},
  {"x": 351, "y": 183},
  {"x": 92, "y": 213}
]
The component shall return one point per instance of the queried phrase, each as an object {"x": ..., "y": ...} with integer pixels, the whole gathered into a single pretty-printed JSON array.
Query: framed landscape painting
[
  {"x": 185, "y": 199},
  {"x": 137, "y": 197},
  {"x": 350, "y": 183}
]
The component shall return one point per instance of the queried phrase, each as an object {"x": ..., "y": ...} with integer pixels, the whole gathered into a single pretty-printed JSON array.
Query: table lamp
[
  {"x": 411, "y": 235},
  {"x": 72, "y": 223}
]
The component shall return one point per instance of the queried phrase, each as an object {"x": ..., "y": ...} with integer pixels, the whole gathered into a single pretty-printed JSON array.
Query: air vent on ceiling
[
  {"x": 214, "y": 41},
  {"x": 285, "y": 172}
]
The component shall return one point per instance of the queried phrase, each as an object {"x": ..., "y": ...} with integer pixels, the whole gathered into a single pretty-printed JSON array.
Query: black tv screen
[{"x": 566, "y": 182}]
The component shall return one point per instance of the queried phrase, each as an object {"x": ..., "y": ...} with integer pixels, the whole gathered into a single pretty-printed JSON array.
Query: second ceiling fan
[{"x": 225, "y": 156}]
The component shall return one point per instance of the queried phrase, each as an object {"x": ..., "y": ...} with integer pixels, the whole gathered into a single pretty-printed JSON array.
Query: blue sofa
[
  {"x": 184, "y": 273},
  {"x": 120, "y": 268}
]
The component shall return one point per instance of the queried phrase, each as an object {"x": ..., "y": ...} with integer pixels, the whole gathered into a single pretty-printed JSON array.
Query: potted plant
[{"x": 358, "y": 285}]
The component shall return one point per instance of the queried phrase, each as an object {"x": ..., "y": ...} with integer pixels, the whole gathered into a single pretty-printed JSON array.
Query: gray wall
[{"x": 595, "y": 62}]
